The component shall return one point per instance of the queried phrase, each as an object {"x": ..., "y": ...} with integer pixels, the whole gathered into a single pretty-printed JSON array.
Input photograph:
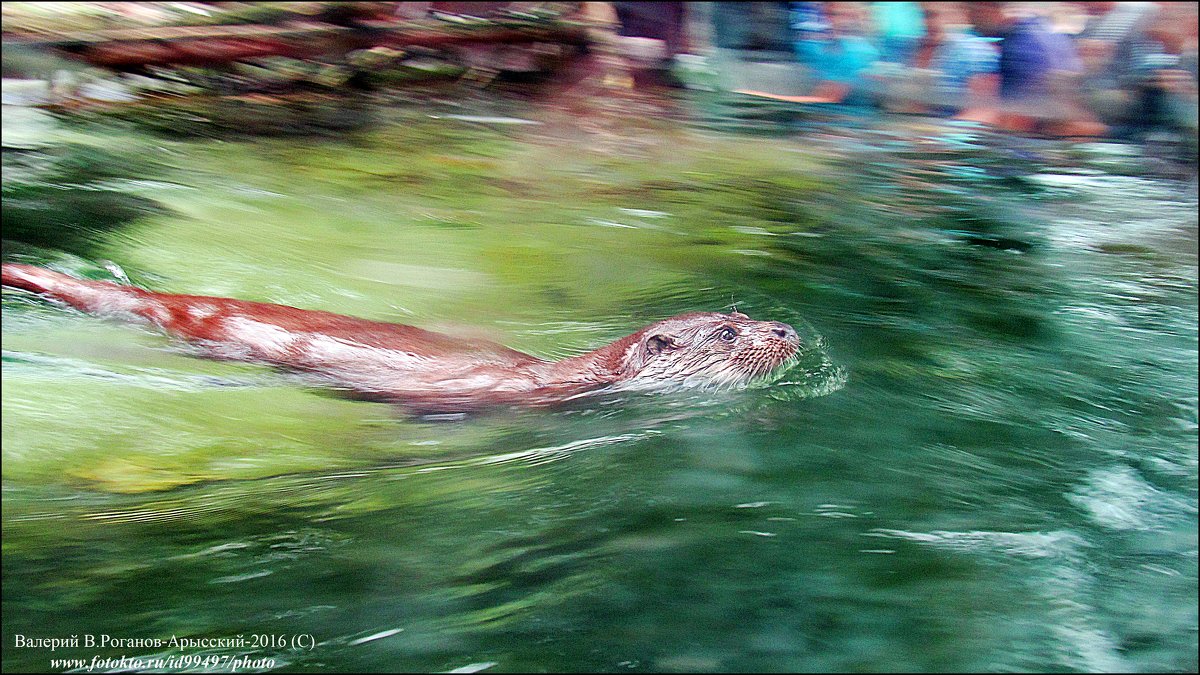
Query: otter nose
[{"x": 785, "y": 331}]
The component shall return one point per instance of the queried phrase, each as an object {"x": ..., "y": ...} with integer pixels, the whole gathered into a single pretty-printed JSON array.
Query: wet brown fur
[{"x": 431, "y": 372}]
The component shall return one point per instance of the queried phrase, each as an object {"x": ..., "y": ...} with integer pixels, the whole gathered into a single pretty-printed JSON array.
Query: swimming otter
[{"x": 429, "y": 372}]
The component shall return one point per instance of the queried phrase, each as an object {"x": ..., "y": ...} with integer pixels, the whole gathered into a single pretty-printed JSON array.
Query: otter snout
[{"x": 786, "y": 332}]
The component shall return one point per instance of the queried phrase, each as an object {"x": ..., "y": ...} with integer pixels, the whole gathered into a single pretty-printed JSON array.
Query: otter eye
[{"x": 727, "y": 334}]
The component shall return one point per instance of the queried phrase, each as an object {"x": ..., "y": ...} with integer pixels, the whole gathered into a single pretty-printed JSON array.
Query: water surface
[{"x": 988, "y": 463}]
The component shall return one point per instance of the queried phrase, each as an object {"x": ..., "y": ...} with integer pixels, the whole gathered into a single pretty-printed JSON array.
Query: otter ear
[{"x": 657, "y": 344}]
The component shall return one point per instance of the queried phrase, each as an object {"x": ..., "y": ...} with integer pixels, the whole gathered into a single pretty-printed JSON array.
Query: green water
[{"x": 988, "y": 463}]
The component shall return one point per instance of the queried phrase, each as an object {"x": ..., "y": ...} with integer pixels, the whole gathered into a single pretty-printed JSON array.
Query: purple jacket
[{"x": 1028, "y": 53}]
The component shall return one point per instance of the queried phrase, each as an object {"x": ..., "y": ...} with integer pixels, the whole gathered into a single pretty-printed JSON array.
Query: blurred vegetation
[
  {"x": 253, "y": 115},
  {"x": 61, "y": 17},
  {"x": 42, "y": 17},
  {"x": 66, "y": 196}
]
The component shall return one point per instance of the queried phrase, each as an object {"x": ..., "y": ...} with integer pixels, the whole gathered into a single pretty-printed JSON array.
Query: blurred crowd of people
[{"x": 1119, "y": 69}]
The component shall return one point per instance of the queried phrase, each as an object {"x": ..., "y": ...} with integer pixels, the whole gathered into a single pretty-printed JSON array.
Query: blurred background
[{"x": 981, "y": 218}]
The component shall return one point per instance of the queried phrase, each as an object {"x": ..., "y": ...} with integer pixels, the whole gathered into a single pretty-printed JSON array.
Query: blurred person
[
  {"x": 840, "y": 59},
  {"x": 1029, "y": 50},
  {"x": 967, "y": 64},
  {"x": 899, "y": 27},
  {"x": 1164, "y": 67},
  {"x": 1106, "y": 47},
  {"x": 1116, "y": 23},
  {"x": 952, "y": 69},
  {"x": 808, "y": 20},
  {"x": 654, "y": 33},
  {"x": 752, "y": 26},
  {"x": 1064, "y": 18},
  {"x": 754, "y": 47},
  {"x": 1038, "y": 74}
]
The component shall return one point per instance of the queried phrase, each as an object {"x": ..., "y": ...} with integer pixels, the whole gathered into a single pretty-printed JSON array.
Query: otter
[{"x": 427, "y": 372}]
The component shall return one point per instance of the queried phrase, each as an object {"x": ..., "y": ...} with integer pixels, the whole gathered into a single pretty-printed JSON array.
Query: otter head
[{"x": 707, "y": 350}]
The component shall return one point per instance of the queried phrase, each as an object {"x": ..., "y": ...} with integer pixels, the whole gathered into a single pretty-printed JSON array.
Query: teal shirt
[
  {"x": 899, "y": 19},
  {"x": 843, "y": 59}
]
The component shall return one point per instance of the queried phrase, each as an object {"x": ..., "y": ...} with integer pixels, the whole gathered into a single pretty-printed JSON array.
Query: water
[{"x": 988, "y": 464}]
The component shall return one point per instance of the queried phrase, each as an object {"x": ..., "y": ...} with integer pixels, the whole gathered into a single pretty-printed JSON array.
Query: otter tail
[
  {"x": 93, "y": 297},
  {"x": 30, "y": 278}
]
